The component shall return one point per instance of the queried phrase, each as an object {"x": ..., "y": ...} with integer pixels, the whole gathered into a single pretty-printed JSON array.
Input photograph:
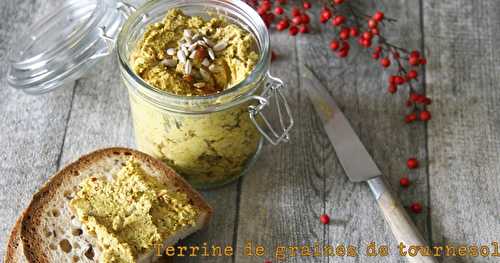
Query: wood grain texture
[
  {"x": 464, "y": 136},
  {"x": 31, "y": 128},
  {"x": 359, "y": 86},
  {"x": 282, "y": 198}
]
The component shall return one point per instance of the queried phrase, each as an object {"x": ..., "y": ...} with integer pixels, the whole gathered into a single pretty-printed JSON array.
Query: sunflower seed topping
[
  {"x": 205, "y": 62},
  {"x": 211, "y": 54},
  {"x": 208, "y": 41},
  {"x": 212, "y": 68},
  {"x": 181, "y": 56},
  {"x": 199, "y": 85},
  {"x": 188, "y": 67},
  {"x": 205, "y": 75},
  {"x": 169, "y": 62},
  {"x": 220, "y": 46},
  {"x": 171, "y": 51},
  {"x": 193, "y": 54}
]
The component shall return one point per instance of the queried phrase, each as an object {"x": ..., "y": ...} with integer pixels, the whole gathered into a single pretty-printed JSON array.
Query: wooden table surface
[{"x": 280, "y": 201}]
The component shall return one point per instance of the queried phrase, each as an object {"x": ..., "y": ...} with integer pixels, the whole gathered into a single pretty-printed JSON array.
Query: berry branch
[{"x": 352, "y": 26}]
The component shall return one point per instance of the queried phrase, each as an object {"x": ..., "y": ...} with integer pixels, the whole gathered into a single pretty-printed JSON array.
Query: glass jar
[{"x": 210, "y": 140}]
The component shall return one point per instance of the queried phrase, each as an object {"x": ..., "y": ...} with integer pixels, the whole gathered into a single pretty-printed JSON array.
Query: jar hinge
[{"x": 272, "y": 90}]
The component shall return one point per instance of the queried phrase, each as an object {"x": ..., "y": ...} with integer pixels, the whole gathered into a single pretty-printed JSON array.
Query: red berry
[
  {"x": 297, "y": 20},
  {"x": 307, "y": 5},
  {"x": 367, "y": 35},
  {"x": 426, "y": 101},
  {"x": 423, "y": 61},
  {"x": 266, "y": 5},
  {"x": 343, "y": 53},
  {"x": 412, "y": 163},
  {"x": 338, "y": 20},
  {"x": 305, "y": 19},
  {"x": 344, "y": 34},
  {"x": 375, "y": 31},
  {"x": 376, "y": 55},
  {"x": 326, "y": 14},
  {"x": 325, "y": 219},
  {"x": 414, "y": 61},
  {"x": 378, "y": 49},
  {"x": 365, "y": 42},
  {"x": 415, "y": 54},
  {"x": 409, "y": 103},
  {"x": 268, "y": 261},
  {"x": 412, "y": 74},
  {"x": 378, "y": 16},
  {"x": 295, "y": 12},
  {"x": 279, "y": 10},
  {"x": 354, "y": 32},
  {"x": 424, "y": 115},
  {"x": 385, "y": 62},
  {"x": 414, "y": 97},
  {"x": 334, "y": 45},
  {"x": 392, "y": 79},
  {"x": 416, "y": 207},
  {"x": 398, "y": 80},
  {"x": 392, "y": 88},
  {"x": 404, "y": 182},
  {"x": 304, "y": 29},
  {"x": 410, "y": 117},
  {"x": 293, "y": 31},
  {"x": 338, "y": 2},
  {"x": 372, "y": 23},
  {"x": 282, "y": 25}
]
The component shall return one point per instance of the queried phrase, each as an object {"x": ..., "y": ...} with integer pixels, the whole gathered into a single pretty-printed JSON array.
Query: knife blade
[
  {"x": 359, "y": 165},
  {"x": 352, "y": 154}
]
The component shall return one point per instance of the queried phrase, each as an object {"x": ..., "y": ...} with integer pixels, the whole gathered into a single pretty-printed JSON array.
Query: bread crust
[
  {"x": 14, "y": 246},
  {"x": 31, "y": 219}
]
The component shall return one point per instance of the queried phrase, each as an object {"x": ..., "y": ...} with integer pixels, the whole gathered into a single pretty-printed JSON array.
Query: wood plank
[
  {"x": 32, "y": 127},
  {"x": 358, "y": 84},
  {"x": 464, "y": 136},
  {"x": 282, "y": 197}
]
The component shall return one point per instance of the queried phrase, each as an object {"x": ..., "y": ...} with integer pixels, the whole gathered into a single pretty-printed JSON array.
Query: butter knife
[{"x": 359, "y": 165}]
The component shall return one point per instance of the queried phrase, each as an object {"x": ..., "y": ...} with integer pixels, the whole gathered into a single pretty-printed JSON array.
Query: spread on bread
[{"x": 132, "y": 213}]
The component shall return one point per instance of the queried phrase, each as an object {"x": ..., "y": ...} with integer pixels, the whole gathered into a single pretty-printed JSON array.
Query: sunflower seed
[
  {"x": 169, "y": 62},
  {"x": 188, "y": 67},
  {"x": 195, "y": 37},
  {"x": 185, "y": 50},
  {"x": 220, "y": 46},
  {"x": 171, "y": 51},
  {"x": 205, "y": 62},
  {"x": 193, "y": 54},
  {"x": 181, "y": 56},
  {"x": 201, "y": 43},
  {"x": 211, "y": 54},
  {"x": 213, "y": 68},
  {"x": 199, "y": 85},
  {"x": 193, "y": 47},
  {"x": 187, "y": 33},
  {"x": 205, "y": 75},
  {"x": 208, "y": 41}
]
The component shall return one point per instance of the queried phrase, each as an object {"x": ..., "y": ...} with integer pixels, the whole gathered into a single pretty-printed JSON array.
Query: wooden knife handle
[{"x": 401, "y": 225}]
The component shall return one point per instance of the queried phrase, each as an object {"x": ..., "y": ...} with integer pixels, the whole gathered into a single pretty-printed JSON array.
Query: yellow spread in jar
[
  {"x": 208, "y": 149},
  {"x": 219, "y": 54},
  {"x": 131, "y": 213}
]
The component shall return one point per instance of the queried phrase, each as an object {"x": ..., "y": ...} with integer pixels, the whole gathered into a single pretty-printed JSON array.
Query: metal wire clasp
[{"x": 272, "y": 90}]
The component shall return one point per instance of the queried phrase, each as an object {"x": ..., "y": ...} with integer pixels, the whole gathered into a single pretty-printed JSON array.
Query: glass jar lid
[{"x": 65, "y": 44}]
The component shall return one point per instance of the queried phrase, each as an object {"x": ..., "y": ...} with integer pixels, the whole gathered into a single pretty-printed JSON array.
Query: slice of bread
[
  {"x": 15, "y": 250},
  {"x": 51, "y": 233}
]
